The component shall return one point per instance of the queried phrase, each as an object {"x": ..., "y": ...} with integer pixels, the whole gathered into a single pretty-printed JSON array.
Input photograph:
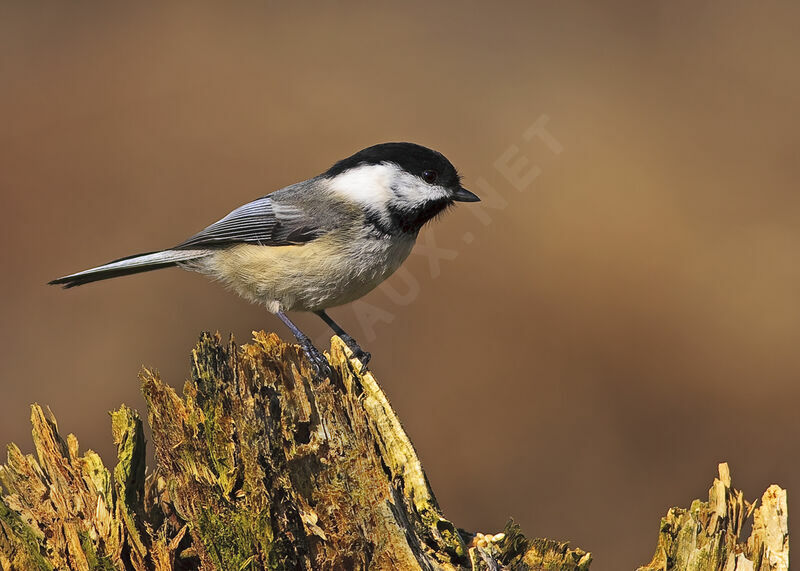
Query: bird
[{"x": 316, "y": 244}]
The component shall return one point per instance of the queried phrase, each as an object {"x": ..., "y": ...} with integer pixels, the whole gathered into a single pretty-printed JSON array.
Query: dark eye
[{"x": 430, "y": 176}]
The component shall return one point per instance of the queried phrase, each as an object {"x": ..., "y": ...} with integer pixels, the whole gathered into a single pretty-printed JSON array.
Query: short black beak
[{"x": 463, "y": 195}]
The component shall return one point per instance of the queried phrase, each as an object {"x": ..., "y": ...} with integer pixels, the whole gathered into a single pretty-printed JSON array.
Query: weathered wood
[
  {"x": 261, "y": 466},
  {"x": 707, "y": 536}
]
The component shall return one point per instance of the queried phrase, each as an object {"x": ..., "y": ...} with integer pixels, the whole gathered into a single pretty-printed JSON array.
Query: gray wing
[{"x": 262, "y": 221}]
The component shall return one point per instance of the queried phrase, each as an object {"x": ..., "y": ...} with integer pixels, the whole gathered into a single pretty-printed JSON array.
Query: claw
[
  {"x": 364, "y": 357},
  {"x": 319, "y": 363},
  {"x": 358, "y": 352}
]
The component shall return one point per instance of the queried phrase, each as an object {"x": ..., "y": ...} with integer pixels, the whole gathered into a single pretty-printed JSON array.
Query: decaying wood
[
  {"x": 707, "y": 536},
  {"x": 261, "y": 466}
]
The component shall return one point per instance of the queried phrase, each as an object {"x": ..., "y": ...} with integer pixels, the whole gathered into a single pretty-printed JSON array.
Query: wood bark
[{"x": 260, "y": 465}]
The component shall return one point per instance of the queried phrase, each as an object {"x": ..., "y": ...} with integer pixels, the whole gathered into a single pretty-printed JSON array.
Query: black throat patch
[{"x": 406, "y": 220}]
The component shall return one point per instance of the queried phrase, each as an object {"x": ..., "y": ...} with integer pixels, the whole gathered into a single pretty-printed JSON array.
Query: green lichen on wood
[
  {"x": 95, "y": 561},
  {"x": 297, "y": 454},
  {"x": 55, "y": 494},
  {"x": 129, "y": 475},
  {"x": 71, "y": 513},
  {"x": 237, "y": 540},
  {"x": 706, "y": 537},
  {"x": 520, "y": 553},
  {"x": 20, "y": 545},
  {"x": 260, "y": 465}
]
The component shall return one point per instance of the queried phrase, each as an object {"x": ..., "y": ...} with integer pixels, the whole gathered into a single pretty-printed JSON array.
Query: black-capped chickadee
[{"x": 319, "y": 243}]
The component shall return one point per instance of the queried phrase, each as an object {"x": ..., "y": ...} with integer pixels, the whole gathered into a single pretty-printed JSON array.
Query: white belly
[{"x": 323, "y": 273}]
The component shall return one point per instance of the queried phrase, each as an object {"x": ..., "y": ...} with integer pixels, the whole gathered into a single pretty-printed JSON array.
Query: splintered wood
[
  {"x": 262, "y": 466},
  {"x": 707, "y": 536},
  {"x": 259, "y": 466}
]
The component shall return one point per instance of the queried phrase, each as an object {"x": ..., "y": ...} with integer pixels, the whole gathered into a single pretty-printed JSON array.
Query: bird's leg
[
  {"x": 318, "y": 361},
  {"x": 359, "y": 353}
]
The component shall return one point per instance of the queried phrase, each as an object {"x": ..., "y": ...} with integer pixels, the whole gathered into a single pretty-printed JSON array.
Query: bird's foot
[
  {"x": 358, "y": 352},
  {"x": 319, "y": 363}
]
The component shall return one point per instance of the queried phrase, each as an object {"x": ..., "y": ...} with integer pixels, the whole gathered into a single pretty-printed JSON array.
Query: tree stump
[
  {"x": 707, "y": 535},
  {"x": 260, "y": 465}
]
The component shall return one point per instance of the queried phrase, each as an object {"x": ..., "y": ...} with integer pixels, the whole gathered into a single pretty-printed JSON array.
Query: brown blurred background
[{"x": 607, "y": 336}]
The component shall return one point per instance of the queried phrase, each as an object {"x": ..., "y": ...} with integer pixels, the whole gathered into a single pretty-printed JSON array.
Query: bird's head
[{"x": 399, "y": 185}]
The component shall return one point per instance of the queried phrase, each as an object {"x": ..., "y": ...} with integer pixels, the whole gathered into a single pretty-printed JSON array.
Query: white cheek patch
[
  {"x": 384, "y": 187},
  {"x": 369, "y": 185}
]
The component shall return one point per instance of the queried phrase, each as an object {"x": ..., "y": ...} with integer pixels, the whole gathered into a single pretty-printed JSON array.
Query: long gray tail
[{"x": 130, "y": 265}]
